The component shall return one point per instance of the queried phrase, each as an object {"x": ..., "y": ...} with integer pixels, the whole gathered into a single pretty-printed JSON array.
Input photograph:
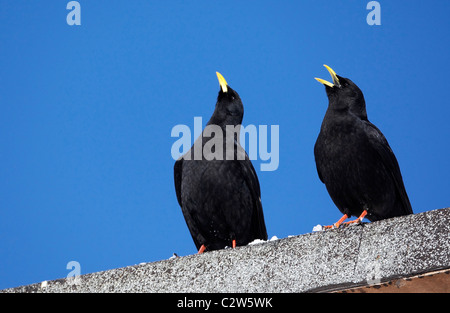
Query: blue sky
[{"x": 87, "y": 111}]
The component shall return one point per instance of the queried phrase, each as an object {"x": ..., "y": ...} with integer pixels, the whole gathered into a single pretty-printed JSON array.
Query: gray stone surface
[{"x": 321, "y": 261}]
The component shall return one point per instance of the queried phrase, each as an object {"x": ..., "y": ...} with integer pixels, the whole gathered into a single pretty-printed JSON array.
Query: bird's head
[
  {"x": 229, "y": 108},
  {"x": 344, "y": 95}
]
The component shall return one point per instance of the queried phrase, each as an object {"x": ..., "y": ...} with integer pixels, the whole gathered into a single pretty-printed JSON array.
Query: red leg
[
  {"x": 233, "y": 243},
  {"x": 358, "y": 220},
  {"x": 202, "y": 249},
  {"x": 338, "y": 223}
]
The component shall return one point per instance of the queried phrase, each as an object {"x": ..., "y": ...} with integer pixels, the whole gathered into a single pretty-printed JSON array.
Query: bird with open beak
[
  {"x": 354, "y": 159},
  {"x": 220, "y": 197}
]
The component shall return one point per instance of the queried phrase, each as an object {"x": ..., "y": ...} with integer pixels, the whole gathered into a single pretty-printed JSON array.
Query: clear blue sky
[{"x": 86, "y": 114}]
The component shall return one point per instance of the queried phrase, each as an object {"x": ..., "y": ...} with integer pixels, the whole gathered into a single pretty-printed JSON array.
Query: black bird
[
  {"x": 219, "y": 191},
  {"x": 354, "y": 159}
]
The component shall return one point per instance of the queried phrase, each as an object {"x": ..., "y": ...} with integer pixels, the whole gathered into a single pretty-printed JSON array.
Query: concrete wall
[{"x": 340, "y": 259}]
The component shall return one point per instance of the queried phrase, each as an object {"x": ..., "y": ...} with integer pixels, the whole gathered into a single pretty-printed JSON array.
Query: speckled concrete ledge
[{"x": 317, "y": 262}]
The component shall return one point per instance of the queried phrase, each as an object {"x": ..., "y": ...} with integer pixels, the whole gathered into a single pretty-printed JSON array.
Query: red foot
[
  {"x": 343, "y": 218},
  {"x": 358, "y": 220},
  {"x": 338, "y": 223}
]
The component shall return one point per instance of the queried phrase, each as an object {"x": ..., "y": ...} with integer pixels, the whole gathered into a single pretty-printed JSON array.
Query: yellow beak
[
  {"x": 333, "y": 76},
  {"x": 222, "y": 82}
]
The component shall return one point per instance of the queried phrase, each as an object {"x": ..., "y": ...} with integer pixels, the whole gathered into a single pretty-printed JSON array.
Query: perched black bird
[
  {"x": 219, "y": 191},
  {"x": 354, "y": 159}
]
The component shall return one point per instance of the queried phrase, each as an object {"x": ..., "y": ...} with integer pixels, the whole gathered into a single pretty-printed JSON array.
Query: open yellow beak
[
  {"x": 333, "y": 76},
  {"x": 222, "y": 82}
]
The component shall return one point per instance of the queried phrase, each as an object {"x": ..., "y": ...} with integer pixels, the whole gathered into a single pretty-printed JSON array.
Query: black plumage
[
  {"x": 354, "y": 159},
  {"x": 220, "y": 198}
]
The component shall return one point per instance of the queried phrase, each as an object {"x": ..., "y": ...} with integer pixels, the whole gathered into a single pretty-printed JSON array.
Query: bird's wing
[
  {"x": 317, "y": 160},
  {"x": 381, "y": 145},
  {"x": 177, "y": 171},
  {"x": 251, "y": 179}
]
